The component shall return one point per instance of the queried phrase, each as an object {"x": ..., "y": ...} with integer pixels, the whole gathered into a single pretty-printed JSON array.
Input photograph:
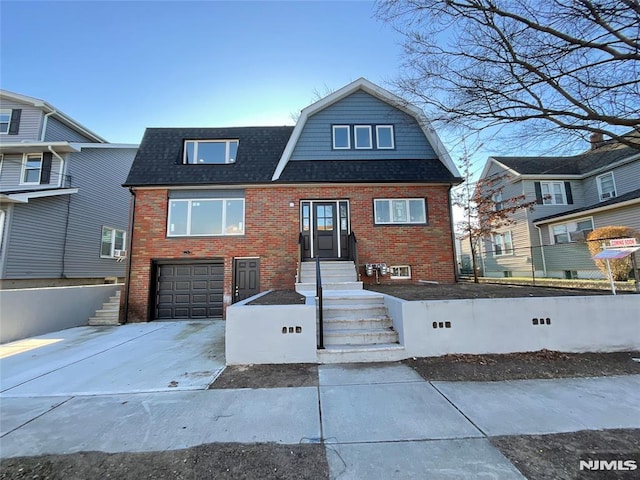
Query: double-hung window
[
  {"x": 31, "y": 168},
  {"x": 502, "y": 244},
  {"x": 202, "y": 217},
  {"x": 567, "y": 232},
  {"x": 5, "y": 120},
  {"x": 112, "y": 242},
  {"x": 553, "y": 193},
  {"x": 606, "y": 186},
  {"x": 400, "y": 211},
  {"x": 203, "y": 152}
]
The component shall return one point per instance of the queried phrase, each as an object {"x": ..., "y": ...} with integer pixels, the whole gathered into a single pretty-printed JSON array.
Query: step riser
[
  {"x": 361, "y": 339},
  {"x": 360, "y": 300},
  {"x": 329, "y": 279},
  {"x": 311, "y": 287},
  {"x": 363, "y": 313},
  {"x": 100, "y": 322},
  {"x": 326, "y": 356},
  {"x": 367, "y": 324},
  {"x": 106, "y": 313}
]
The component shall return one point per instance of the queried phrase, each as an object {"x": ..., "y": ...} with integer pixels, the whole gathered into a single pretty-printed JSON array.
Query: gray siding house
[
  {"x": 63, "y": 211},
  {"x": 573, "y": 196}
]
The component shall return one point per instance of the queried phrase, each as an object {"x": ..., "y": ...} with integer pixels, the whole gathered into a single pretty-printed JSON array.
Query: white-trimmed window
[
  {"x": 207, "y": 152},
  {"x": 399, "y": 272},
  {"x": 205, "y": 217},
  {"x": 31, "y": 168},
  {"x": 497, "y": 201},
  {"x": 341, "y": 137},
  {"x": 569, "y": 231},
  {"x": 553, "y": 193},
  {"x": 389, "y": 211},
  {"x": 606, "y": 186},
  {"x": 502, "y": 244},
  {"x": 5, "y": 120},
  {"x": 384, "y": 137},
  {"x": 362, "y": 136},
  {"x": 112, "y": 242}
]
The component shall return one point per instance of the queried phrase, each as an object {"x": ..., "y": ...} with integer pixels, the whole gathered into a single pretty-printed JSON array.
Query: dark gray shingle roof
[
  {"x": 159, "y": 158},
  {"x": 613, "y": 201},
  {"x": 159, "y": 162},
  {"x": 575, "y": 165}
]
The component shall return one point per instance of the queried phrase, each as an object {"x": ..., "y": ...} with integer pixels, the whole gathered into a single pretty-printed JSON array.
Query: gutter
[
  {"x": 127, "y": 282},
  {"x": 45, "y": 122},
  {"x": 62, "y": 166}
]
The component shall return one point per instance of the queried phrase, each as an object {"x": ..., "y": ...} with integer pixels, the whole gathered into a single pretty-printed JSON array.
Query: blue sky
[{"x": 120, "y": 66}]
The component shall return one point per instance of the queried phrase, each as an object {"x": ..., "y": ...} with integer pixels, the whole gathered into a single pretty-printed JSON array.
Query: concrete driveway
[{"x": 135, "y": 358}]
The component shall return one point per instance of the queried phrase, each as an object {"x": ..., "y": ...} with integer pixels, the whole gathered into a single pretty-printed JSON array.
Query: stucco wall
[
  {"x": 576, "y": 324},
  {"x": 35, "y": 311},
  {"x": 254, "y": 334}
]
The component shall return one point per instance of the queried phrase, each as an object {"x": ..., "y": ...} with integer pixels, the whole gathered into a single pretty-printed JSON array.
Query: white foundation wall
[
  {"x": 599, "y": 323},
  {"x": 254, "y": 334},
  {"x": 27, "y": 312}
]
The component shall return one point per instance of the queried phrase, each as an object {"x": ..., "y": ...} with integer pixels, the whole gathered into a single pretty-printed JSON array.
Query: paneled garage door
[{"x": 192, "y": 290}]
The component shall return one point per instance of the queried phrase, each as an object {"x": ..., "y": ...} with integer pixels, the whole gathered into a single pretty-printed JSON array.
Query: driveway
[{"x": 135, "y": 358}]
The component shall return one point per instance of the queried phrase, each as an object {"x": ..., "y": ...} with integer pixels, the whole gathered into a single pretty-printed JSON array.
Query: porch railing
[
  {"x": 300, "y": 248},
  {"x": 319, "y": 305}
]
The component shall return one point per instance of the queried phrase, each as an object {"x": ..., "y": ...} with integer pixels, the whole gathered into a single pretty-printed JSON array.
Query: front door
[
  {"x": 246, "y": 278},
  {"x": 325, "y": 230}
]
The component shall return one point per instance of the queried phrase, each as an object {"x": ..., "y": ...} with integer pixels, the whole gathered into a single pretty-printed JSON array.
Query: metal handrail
[
  {"x": 300, "y": 247},
  {"x": 353, "y": 253},
  {"x": 319, "y": 305}
]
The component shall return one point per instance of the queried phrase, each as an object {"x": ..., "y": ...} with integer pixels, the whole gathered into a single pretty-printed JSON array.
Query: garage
[{"x": 189, "y": 290}]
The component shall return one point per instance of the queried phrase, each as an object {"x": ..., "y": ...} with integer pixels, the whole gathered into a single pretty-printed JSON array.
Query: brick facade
[{"x": 271, "y": 233}]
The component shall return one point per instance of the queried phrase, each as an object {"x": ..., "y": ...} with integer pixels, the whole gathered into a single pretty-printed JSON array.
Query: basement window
[{"x": 400, "y": 272}]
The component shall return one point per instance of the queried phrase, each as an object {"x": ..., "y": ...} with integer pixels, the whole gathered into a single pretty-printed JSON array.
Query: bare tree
[
  {"x": 484, "y": 208},
  {"x": 554, "y": 67}
]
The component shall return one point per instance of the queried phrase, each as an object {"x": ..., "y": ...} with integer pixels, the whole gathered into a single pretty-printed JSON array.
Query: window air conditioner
[{"x": 119, "y": 253}]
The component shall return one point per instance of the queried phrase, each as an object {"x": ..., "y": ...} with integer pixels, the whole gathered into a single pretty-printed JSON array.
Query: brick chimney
[{"x": 597, "y": 140}]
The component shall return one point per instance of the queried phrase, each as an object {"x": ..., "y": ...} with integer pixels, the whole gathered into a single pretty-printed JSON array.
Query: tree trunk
[{"x": 474, "y": 260}]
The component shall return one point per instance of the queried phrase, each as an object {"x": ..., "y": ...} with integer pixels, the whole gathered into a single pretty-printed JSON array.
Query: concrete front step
[
  {"x": 347, "y": 299},
  {"x": 357, "y": 337},
  {"x": 310, "y": 288},
  {"x": 357, "y": 354},
  {"x": 102, "y": 321},
  {"x": 353, "y": 312},
  {"x": 328, "y": 278},
  {"x": 377, "y": 322}
]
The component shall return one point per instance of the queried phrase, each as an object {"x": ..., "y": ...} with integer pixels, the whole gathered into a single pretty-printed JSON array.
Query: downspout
[
  {"x": 127, "y": 282},
  {"x": 544, "y": 263},
  {"x": 45, "y": 122},
  {"x": 62, "y": 165},
  {"x": 453, "y": 236}
]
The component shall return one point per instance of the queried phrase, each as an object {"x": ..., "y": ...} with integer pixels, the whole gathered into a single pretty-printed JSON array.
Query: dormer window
[
  {"x": 362, "y": 134},
  {"x": 341, "y": 137},
  {"x": 207, "y": 152},
  {"x": 606, "y": 186}
]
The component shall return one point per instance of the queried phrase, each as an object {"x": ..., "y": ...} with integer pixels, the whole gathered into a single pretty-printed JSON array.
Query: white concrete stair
[
  {"x": 109, "y": 313},
  {"x": 336, "y": 275},
  {"x": 357, "y": 328}
]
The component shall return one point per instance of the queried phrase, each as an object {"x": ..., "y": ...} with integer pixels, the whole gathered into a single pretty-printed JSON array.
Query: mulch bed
[
  {"x": 280, "y": 297},
  {"x": 267, "y": 376}
]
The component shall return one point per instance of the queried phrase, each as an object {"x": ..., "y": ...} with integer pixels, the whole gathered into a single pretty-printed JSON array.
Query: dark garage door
[{"x": 192, "y": 290}]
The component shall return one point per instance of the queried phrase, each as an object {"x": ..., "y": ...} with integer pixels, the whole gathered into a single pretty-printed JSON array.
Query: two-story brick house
[
  {"x": 63, "y": 211},
  {"x": 573, "y": 196},
  {"x": 222, "y": 213}
]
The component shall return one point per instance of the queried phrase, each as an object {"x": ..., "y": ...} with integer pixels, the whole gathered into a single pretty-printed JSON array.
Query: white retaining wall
[
  {"x": 254, "y": 334},
  {"x": 27, "y": 312},
  {"x": 576, "y": 324}
]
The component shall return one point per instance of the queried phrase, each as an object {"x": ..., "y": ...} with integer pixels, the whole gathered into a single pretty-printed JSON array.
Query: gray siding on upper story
[
  {"x": 41, "y": 231},
  {"x": 540, "y": 211},
  {"x": 628, "y": 216},
  {"x": 626, "y": 178},
  {"x": 101, "y": 201},
  {"x": 361, "y": 108},
  {"x": 56, "y": 131},
  {"x": 35, "y": 242},
  {"x": 30, "y": 123},
  {"x": 11, "y": 174}
]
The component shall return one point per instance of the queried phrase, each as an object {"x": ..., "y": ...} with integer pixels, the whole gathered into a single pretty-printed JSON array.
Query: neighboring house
[
  {"x": 63, "y": 211},
  {"x": 223, "y": 213},
  {"x": 573, "y": 195}
]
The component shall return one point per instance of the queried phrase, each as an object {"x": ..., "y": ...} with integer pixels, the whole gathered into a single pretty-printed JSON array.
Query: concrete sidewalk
[{"x": 144, "y": 388}]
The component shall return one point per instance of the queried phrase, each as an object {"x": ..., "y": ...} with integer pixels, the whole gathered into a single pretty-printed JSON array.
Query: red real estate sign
[{"x": 622, "y": 242}]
